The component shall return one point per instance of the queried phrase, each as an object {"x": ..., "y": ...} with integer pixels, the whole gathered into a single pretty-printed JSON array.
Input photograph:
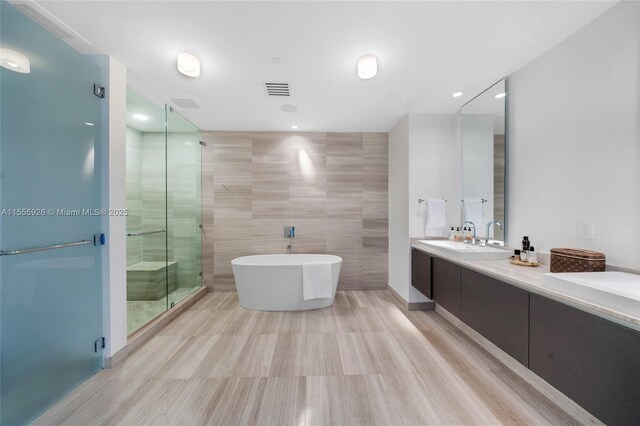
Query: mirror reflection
[{"x": 483, "y": 164}]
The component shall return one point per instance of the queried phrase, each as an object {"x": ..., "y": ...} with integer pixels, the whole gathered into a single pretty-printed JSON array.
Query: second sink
[{"x": 466, "y": 251}]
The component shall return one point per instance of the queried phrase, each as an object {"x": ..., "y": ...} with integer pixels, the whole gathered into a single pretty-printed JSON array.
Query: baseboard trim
[
  {"x": 412, "y": 306},
  {"x": 421, "y": 306},
  {"x": 560, "y": 399},
  {"x": 146, "y": 333}
]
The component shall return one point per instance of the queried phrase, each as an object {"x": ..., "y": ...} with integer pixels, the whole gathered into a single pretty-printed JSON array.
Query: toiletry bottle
[
  {"x": 525, "y": 243},
  {"x": 516, "y": 254},
  {"x": 523, "y": 256},
  {"x": 458, "y": 236},
  {"x": 452, "y": 233},
  {"x": 532, "y": 256}
]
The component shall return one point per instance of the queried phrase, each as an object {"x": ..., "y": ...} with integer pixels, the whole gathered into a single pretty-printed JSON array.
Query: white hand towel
[
  {"x": 436, "y": 220},
  {"x": 473, "y": 212},
  {"x": 316, "y": 280}
]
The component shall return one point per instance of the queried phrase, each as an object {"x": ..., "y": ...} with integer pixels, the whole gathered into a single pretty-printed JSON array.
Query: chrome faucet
[
  {"x": 486, "y": 235},
  {"x": 474, "y": 240}
]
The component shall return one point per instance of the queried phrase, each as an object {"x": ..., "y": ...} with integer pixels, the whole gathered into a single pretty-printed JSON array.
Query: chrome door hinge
[{"x": 98, "y": 90}]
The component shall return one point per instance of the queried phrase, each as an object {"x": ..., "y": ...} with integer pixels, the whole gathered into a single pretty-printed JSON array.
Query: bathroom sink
[
  {"x": 615, "y": 290},
  {"x": 466, "y": 251}
]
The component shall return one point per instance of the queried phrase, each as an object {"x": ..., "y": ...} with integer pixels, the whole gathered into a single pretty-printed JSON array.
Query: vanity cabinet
[
  {"x": 421, "y": 272},
  {"x": 445, "y": 279},
  {"x": 498, "y": 311},
  {"x": 593, "y": 361}
]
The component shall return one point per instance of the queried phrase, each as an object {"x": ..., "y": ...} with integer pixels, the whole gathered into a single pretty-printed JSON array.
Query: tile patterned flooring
[{"x": 361, "y": 361}]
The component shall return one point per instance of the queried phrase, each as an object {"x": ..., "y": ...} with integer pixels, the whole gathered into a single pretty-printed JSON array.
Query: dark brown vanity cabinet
[
  {"x": 445, "y": 280},
  {"x": 498, "y": 311},
  {"x": 593, "y": 361},
  {"x": 421, "y": 272}
]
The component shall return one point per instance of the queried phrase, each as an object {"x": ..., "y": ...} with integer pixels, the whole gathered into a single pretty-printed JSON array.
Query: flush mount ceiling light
[
  {"x": 500, "y": 95},
  {"x": 140, "y": 117},
  {"x": 14, "y": 61},
  {"x": 367, "y": 67},
  {"x": 457, "y": 94},
  {"x": 294, "y": 127},
  {"x": 188, "y": 64},
  {"x": 289, "y": 108}
]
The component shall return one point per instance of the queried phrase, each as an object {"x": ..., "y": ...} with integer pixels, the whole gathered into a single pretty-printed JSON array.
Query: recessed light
[
  {"x": 88, "y": 124},
  {"x": 14, "y": 61},
  {"x": 457, "y": 94},
  {"x": 140, "y": 117},
  {"x": 501, "y": 95},
  {"x": 367, "y": 67},
  {"x": 289, "y": 108},
  {"x": 294, "y": 127},
  {"x": 188, "y": 143},
  {"x": 188, "y": 64}
]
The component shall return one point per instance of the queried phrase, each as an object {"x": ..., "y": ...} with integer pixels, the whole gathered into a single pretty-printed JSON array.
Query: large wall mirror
[{"x": 483, "y": 163}]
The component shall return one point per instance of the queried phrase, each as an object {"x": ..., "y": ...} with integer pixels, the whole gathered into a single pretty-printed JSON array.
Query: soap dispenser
[{"x": 452, "y": 234}]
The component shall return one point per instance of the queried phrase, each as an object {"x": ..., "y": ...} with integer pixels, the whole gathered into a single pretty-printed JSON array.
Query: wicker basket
[{"x": 576, "y": 260}]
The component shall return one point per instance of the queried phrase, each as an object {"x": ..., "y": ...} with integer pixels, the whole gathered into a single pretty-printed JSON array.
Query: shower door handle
[
  {"x": 138, "y": 234},
  {"x": 45, "y": 248}
]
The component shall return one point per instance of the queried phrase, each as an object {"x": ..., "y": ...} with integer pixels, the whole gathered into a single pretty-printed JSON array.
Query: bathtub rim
[{"x": 245, "y": 260}]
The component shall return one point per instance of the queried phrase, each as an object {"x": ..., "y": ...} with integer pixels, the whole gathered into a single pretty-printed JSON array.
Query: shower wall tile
[{"x": 331, "y": 186}]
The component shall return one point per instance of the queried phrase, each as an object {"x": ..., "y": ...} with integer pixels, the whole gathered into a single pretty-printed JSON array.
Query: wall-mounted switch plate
[{"x": 585, "y": 229}]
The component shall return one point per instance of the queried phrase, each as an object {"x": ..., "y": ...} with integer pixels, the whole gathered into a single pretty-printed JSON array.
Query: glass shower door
[
  {"x": 183, "y": 204},
  {"x": 50, "y": 196},
  {"x": 149, "y": 276}
]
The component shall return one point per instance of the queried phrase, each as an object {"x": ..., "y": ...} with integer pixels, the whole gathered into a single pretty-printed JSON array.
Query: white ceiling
[{"x": 426, "y": 51}]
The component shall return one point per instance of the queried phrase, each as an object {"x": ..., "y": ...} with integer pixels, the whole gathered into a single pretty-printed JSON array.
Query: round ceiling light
[
  {"x": 294, "y": 127},
  {"x": 140, "y": 117},
  {"x": 14, "y": 61},
  {"x": 188, "y": 64},
  {"x": 289, "y": 108},
  {"x": 457, "y": 94},
  {"x": 367, "y": 67},
  {"x": 500, "y": 95}
]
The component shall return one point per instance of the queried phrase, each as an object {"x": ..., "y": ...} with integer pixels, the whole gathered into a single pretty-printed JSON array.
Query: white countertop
[{"x": 530, "y": 279}]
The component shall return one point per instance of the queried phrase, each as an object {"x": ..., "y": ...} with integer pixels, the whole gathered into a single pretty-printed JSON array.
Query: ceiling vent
[
  {"x": 183, "y": 102},
  {"x": 278, "y": 89}
]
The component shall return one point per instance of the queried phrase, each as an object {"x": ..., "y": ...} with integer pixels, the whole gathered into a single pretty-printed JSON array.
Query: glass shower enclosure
[{"x": 163, "y": 202}]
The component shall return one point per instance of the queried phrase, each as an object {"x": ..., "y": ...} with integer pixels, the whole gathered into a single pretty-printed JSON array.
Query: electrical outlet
[{"x": 585, "y": 229}]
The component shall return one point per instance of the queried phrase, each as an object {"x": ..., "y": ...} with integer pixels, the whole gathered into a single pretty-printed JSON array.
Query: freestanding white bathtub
[{"x": 273, "y": 282}]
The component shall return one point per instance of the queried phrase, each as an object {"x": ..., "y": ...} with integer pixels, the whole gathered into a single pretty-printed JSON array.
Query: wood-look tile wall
[{"x": 331, "y": 186}]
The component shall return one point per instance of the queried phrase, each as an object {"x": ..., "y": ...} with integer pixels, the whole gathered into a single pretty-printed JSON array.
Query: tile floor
[{"x": 361, "y": 361}]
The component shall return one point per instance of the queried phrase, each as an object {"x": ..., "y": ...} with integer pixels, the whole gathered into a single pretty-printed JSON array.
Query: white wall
[
  {"x": 573, "y": 141},
  {"x": 432, "y": 168},
  {"x": 398, "y": 208},
  {"x": 422, "y": 164},
  {"x": 114, "y": 264}
]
